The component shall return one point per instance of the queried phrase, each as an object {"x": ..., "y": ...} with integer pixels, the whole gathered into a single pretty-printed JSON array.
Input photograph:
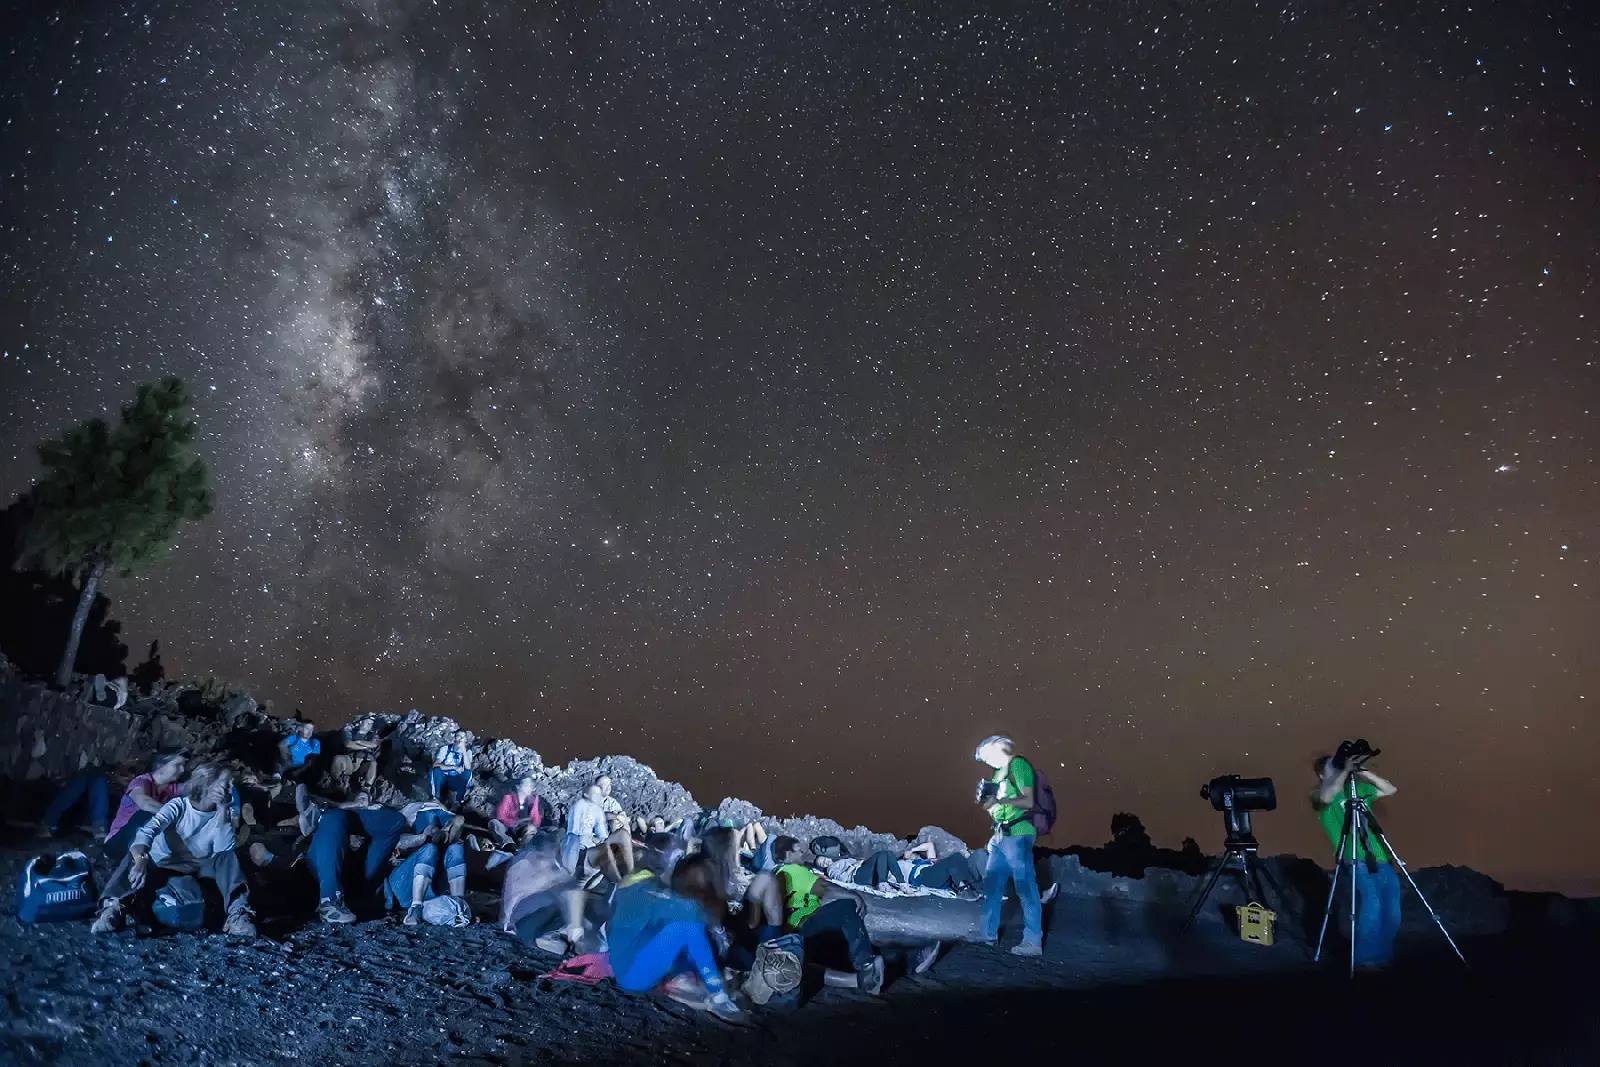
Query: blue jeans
[
  {"x": 837, "y": 920},
  {"x": 1377, "y": 914},
  {"x": 572, "y": 850},
  {"x": 1011, "y": 860},
  {"x": 423, "y": 861},
  {"x": 432, "y": 817},
  {"x": 457, "y": 781},
  {"x": 330, "y": 842},
  {"x": 91, "y": 786},
  {"x": 663, "y": 956}
]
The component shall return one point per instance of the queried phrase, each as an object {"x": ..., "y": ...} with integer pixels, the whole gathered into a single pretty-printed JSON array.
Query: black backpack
[{"x": 52, "y": 889}]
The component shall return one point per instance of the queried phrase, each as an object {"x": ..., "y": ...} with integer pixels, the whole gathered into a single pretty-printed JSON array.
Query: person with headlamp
[{"x": 1008, "y": 798}]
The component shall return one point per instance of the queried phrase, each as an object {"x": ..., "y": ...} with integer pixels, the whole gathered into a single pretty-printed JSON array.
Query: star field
[{"x": 792, "y": 396}]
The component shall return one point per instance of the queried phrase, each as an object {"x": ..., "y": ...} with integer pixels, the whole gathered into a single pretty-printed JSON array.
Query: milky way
[{"x": 791, "y": 397}]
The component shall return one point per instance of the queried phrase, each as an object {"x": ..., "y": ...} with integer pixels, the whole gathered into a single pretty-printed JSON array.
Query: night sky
[{"x": 790, "y": 395}]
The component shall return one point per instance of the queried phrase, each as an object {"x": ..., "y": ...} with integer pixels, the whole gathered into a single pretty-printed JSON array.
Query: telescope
[{"x": 1236, "y": 798}]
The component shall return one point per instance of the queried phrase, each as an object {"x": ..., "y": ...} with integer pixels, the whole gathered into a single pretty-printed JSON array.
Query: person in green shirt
[
  {"x": 1376, "y": 886},
  {"x": 823, "y": 911},
  {"x": 1011, "y": 847}
]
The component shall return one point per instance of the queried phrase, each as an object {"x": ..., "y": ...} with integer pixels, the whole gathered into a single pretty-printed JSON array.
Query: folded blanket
[
  {"x": 591, "y": 969},
  {"x": 902, "y": 889}
]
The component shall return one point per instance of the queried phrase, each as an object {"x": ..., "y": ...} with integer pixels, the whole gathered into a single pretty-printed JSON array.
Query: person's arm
[
  {"x": 1384, "y": 787},
  {"x": 139, "y": 851},
  {"x": 922, "y": 851},
  {"x": 466, "y": 757},
  {"x": 284, "y": 759},
  {"x": 827, "y": 890},
  {"x": 1333, "y": 779},
  {"x": 223, "y": 838},
  {"x": 143, "y": 800}
]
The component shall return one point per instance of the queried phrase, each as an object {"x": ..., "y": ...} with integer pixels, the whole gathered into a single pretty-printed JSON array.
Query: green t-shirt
[
  {"x": 1014, "y": 777},
  {"x": 799, "y": 902},
  {"x": 1332, "y": 818}
]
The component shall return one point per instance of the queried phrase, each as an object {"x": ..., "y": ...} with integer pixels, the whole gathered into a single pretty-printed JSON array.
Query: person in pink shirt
[
  {"x": 517, "y": 813},
  {"x": 143, "y": 798}
]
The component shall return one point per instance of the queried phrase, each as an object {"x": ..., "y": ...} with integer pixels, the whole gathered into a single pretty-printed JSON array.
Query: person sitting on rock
[
  {"x": 359, "y": 760},
  {"x": 88, "y": 788},
  {"x": 656, "y": 934},
  {"x": 295, "y": 752},
  {"x": 190, "y": 834},
  {"x": 517, "y": 811},
  {"x": 142, "y": 799},
  {"x": 330, "y": 842},
  {"x": 586, "y": 827},
  {"x": 411, "y": 883},
  {"x": 452, "y": 768},
  {"x": 823, "y": 913}
]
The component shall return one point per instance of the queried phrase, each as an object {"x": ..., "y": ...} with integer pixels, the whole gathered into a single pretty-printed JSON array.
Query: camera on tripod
[
  {"x": 1358, "y": 751},
  {"x": 1236, "y": 798}
]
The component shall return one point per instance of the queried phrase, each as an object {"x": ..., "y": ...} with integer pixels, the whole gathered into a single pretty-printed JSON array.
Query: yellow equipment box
[{"x": 1255, "y": 924}]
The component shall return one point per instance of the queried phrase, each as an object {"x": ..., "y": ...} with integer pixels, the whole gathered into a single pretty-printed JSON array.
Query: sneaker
[
  {"x": 332, "y": 910},
  {"x": 241, "y": 921},
  {"x": 870, "y": 978},
  {"x": 1028, "y": 948},
  {"x": 987, "y": 942},
  {"x": 259, "y": 854},
  {"x": 723, "y": 1007},
  {"x": 925, "y": 958},
  {"x": 109, "y": 918},
  {"x": 1050, "y": 894},
  {"x": 776, "y": 971},
  {"x": 554, "y": 944},
  {"x": 413, "y": 915}
]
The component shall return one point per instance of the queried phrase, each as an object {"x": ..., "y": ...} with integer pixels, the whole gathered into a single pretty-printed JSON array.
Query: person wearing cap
[{"x": 1008, "y": 798}]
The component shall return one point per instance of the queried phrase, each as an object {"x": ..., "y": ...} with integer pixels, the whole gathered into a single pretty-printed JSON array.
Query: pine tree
[{"x": 113, "y": 498}]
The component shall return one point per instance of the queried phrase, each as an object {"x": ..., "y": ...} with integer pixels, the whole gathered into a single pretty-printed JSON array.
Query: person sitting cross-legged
[
  {"x": 452, "y": 768},
  {"x": 191, "y": 834},
  {"x": 358, "y": 763}
]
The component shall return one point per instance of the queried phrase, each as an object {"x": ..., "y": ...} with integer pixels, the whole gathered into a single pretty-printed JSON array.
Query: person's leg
[
  {"x": 838, "y": 917},
  {"x": 1369, "y": 918},
  {"x": 383, "y": 827},
  {"x": 343, "y": 766},
  {"x": 534, "y": 925},
  {"x": 763, "y": 901},
  {"x": 65, "y": 800},
  {"x": 431, "y": 817},
  {"x": 411, "y": 883},
  {"x": 435, "y": 780},
  {"x": 222, "y": 868},
  {"x": 326, "y": 853},
  {"x": 571, "y": 852},
  {"x": 952, "y": 872},
  {"x": 455, "y": 869},
  {"x": 368, "y": 769},
  {"x": 99, "y": 804},
  {"x": 995, "y": 877},
  {"x": 117, "y": 847},
  {"x": 1389, "y": 906},
  {"x": 1020, "y": 859},
  {"x": 661, "y": 958},
  {"x": 117, "y": 887}
]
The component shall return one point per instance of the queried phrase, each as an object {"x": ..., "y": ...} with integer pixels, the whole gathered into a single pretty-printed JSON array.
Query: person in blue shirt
[{"x": 295, "y": 752}]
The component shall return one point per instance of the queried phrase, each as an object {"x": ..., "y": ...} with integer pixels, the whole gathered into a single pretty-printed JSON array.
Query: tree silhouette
[
  {"x": 113, "y": 497},
  {"x": 1127, "y": 831}
]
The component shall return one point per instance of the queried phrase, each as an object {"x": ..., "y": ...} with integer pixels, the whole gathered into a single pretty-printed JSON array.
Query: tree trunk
[{"x": 91, "y": 585}]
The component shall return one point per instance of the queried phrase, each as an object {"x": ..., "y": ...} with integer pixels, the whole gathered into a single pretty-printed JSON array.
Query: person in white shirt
[
  {"x": 452, "y": 767},
  {"x": 191, "y": 834},
  {"x": 586, "y": 826},
  {"x": 616, "y": 817}
]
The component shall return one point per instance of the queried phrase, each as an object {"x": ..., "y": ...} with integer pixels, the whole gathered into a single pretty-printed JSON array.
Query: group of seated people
[{"x": 667, "y": 903}]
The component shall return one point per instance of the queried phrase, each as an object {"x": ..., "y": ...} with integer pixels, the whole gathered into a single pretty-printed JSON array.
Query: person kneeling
[{"x": 190, "y": 834}]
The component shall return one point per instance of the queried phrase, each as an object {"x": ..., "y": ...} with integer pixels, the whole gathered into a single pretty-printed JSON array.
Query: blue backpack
[
  {"x": 180, "y": 904},
  {"x": 54, "y": 889}
]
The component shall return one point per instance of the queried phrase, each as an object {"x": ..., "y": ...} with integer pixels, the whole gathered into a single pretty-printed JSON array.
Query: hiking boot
[
  {"x": 1028, "y": 948},
  {"x": 413, "y": 915},
  {"x": 332, "y": 910},
  {"x": 1050, "y": 894},
  {"x": 109, "y": 918},
  {"x": 925, "y": 958},
  {"x": 240, "y": 921},
  {"x": 869, "y": 979}
]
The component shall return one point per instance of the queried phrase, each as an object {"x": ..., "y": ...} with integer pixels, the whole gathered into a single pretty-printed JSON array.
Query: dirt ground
[{"x": 1115, "y": 981}]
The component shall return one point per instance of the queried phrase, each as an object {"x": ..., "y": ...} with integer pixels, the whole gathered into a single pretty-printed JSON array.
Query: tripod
[
  {"x": 1240, "y": 855},
  {"x": 1358, "y": 822}
]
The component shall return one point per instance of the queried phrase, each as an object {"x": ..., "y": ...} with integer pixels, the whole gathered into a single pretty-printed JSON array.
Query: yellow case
[{"x": 1255, "y": 924}]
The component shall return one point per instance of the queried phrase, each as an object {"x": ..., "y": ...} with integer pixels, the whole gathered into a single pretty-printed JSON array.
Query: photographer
[
  {"x": 1377, "y": 887},
  {"x": 1008, "y": 798}
]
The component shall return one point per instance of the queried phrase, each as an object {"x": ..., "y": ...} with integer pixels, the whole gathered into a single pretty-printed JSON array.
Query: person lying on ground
[
  {"x": 191, "y": 834},
  {"x": 359, "y": 760},
  {"x": 920, "y": 865},
  {"x": 914, "y": 867},
  {"x": 411, "y": 883},
  {"x": 657, "y": 933},
  {"x": 452, "y": 768},
  {"x": 142, "y": 799},
  {"x": 517, "y": 810},
  {"x": 586, "y": 827},
  {"x": 823, "y": 912},
  {"x": 295, "y": 752},
  {"x": 89, "y": 789}
]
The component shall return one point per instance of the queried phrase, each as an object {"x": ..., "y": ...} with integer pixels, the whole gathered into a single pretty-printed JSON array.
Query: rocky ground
[{"x": 1118, "y": 979}]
